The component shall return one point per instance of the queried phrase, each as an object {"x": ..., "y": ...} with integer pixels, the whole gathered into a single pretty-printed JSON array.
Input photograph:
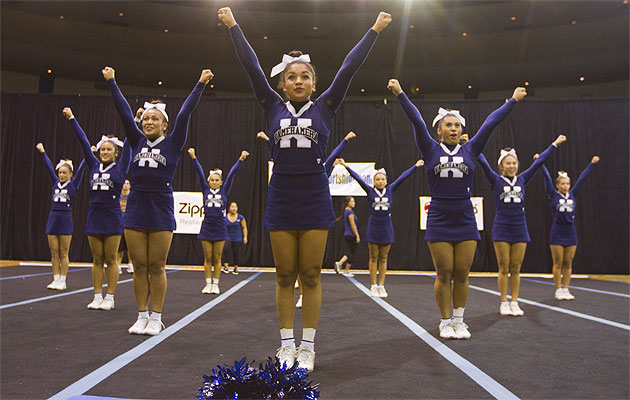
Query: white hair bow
[
  {"x": 504, "y": 154},
  {"x": 286, "y": 60},
  {"x": 215, "y": 171},
  {"x": 104, "y": 139},
  {"x": 380, "y": 171},
  {"x": 63, "y": 162},
  {"x": 562, "y": 174},
  {"x": 442, "y": 112},
  {"x": 161, "y": 107}
]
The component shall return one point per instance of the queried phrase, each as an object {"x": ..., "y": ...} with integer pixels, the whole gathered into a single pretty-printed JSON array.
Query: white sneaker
[
  {"x": 138, "y": 327},
  {"x": 286, "y": 356},
  {"x": 446, "y": 330},
  {"x": 516, "y": 310},
  {"x": 52, "y": 285},
  {"x": 95, "y": 304},
  {"x": 153, "y": 327},
  {"x": 337, "y": 267},
  {"x": 299, "y": 303},
  {"x": 382, "y": 293},
  {"x": 215, "y": 289},
  {"x": 567, "y": 294},
  {"x": 130, "y": 268},
  {"x": 348, "y": 273},
  {"x": 461, "y": 330},
  {"x": 59, "y": 285},
  {"x": 207, "y": 289},
  {"x": 107, "y": 304},
  {"x": 305, "y": 358},
  {"x": 374, "y": 291},
  {"x": 119, "y": 269},
  {"x": 559, "y": 294},
  {"x": 504, "y": 309}
]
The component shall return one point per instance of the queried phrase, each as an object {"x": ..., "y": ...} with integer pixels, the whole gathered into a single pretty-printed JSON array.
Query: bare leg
[
  {"x": 348, "y": 266},
  {"x": 207, "y": 258},
  {"x": 383, "y": 253},
  {"x": 284, "y": 245},
  {"x": 373, "y": 263},
  {"x": 443, "y": 255},
  {"x": 53, "y": 243},
  {"x": 463, "y": 258},
  {"x": 98, "y": 273},
  {"x": 312, "y": 245},
  {"x": 557, "y": 255},
  {"x": 502, "y": 250},
  {"x": 110, "y": 250},
  {"x": 343, "y": 259},
  {"x": 567, "y": 265},
  {"x": 138, "y": 248},
  {"x": 159, "y": 246},
  {"x": 517, "y": 254},
  {"x": 217, "y": 252},
  {"x": 64, "y": 249}
]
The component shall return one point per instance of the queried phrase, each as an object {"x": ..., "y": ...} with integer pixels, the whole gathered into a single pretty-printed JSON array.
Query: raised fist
[
  {"x": 67, "y": 112},
  {"x": 519, "y": 93},
  {"x": 206, "y": 76},
  {"x": 226, "y": 16},
  {"x": 191, "y": 153},
  {"x": 394, "y": 86},
  {"x": 108, "y": 73},
  {"x": 382, "y": 21},
  {"x": 244, "y": 155}
]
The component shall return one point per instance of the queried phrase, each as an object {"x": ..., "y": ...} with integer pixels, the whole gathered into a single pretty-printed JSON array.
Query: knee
[
  {"x": 566, "y": 265},
  {"x": 286, "y": 278},
  {"x": 515, "y": 269},
  {"x": 155, "y": 268},
  {"x": 444, "y": 277},
  {"x": 310, "y": 278},
  {"x": 460, "y": 277},
  {"x": 382, "y": 260},
  {"x": 503, "y": 269},
  {"x": 97, "y": 259}
]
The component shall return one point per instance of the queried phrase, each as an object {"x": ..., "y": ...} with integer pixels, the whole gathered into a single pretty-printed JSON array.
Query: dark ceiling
[{"x": 548, "y": 43}]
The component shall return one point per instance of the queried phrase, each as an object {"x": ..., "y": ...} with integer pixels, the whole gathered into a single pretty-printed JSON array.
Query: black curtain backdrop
[{"x": 221, "y": 128}]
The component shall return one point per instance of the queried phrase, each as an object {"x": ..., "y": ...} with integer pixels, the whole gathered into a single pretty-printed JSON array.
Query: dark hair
[
  {"x": 296, "y": 53},
  {"x": 116, "y": 151},
  {"x": 346, "y": 201},
  {"x": 232, "y": 202}
]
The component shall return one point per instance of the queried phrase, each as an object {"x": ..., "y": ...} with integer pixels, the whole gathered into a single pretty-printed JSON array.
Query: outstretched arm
[
  {"x": 356, "y": 177},
  {"x": 52, "y": 175},
  {"x": 487, "y": 169},
  {"x": 424, "y": 142},
  {"x": 134, "y": 134},
  {"x": 89, "y": 157},
  {"x": 578, "y": 184},
  {"x": 529, "y": 173},
  {"x": 125, "y": 158},
  {"x": 549, "y": 188},
  {"x": 180, "y": 129},
  {"x": 478, "y": 142},
  {"x": 78, "y": 174},
  {"x": 200, "y": 176},
  {"x": 229, "y": 180},
  {"x": 394, "y": 186},
  {"x": 246, "y": 55},
  {"x": 334, "y": 95},
  {"x": 330, "y": 161}
]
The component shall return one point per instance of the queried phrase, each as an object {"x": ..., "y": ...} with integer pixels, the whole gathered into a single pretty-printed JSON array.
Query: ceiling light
[
  {"x": 160, "y": 83},
  {"x": 513, "y": 18},
  {"x": 315, "y": 28},
  {"x": 464, "y": 34},
  {"x": 411, "y": 26},
  {"x": 573, "y": 22},
  {"x": 362, "y": 90},
  {"x": 469, "y": 86},
  {"x": 49, "y": 71},
  {"x": 212, "y": 86},
  {"x": 526, "y": 83},
  {"x": 265, "y": 37},
  {"x": 582, "y": 79},
  {"x": 165, "y": 30},
  {"x": 121, "y": 14},
  {"x": 417, "y": 89},
  {"x": 61, "y": 17}
]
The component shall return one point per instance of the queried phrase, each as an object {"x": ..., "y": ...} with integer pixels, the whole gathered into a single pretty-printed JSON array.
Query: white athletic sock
[
  {"x": 374, "y": 286},
  {"x": 208, "y": 281},
  {"x": 98, "y": 296},
  {"x": 514, "y": 303},
  {"x": 109, "y": 296},
  {"x": 56, "y": 277},
  {"x": 156, "y": 316},
  {"x": 286, "y": 335},
  {"x": 143, "y": 314},
  {"x": 216, "y": 282},
  {"x": 458, "y": 314},
  {"x": 506, "y": 302},
  {"x": 308, "y": 338},
  {"x": 445, "y": 320},
  {"x": 62, "y": 278}
]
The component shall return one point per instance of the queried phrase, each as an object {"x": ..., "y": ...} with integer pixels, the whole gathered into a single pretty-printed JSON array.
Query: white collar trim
[
  {"x": 60, "y": 186},
  {"x": 302, "y": 110},
  {"x": 447, "y": 151},
  {"x": 215, "y": 191},
  {"x": 156, "y": 141},
  {"x": 566, "y": 197},
  {"x": 381, "y": 194},
  {"x": 508, "y": 181},
  {"x": 110, "y": 166}
]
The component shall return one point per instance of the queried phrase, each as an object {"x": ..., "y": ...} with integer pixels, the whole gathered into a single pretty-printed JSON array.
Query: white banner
[
  {"x": 340, "y": 181},
  {"x": 188, "y": 212},
  {"x": 477, "y": 203}
]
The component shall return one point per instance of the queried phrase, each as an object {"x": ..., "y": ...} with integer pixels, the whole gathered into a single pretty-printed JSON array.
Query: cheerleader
[
  {"x": 59, "y": 226},
  {"x": 563, "y": 237},
  {"x": 124, "y": 194},
  {"x": 380, "y": 230},
  {"x": 509, "y": 231},
  {"x": 149, "y": 219},
  {"x": 299, "y": 206},
  {"x": 104, "y": 218},
  {"x": 213, "y": 228},
  {"x": 351, "y": 238},
  {"x": 451, "y": 228},
  {"x": 236, "y": 235}
]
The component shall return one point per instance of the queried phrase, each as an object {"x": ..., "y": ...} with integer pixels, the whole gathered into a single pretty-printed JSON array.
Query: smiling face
[
  {"x": 509, "y": 166},
  {"x": 233, "y": 208},
  {"x": 563, "y": 185},
  {"x": 108, "y": 152},
  {"x": 153, "y": 124},
  {"x": 299, "y": 82},
  {"x": 450, "y": 130},
  {"x": 64, "y": 173},
  {"x": 215, "y": 181},
  {"x": 380, "y": 180}
]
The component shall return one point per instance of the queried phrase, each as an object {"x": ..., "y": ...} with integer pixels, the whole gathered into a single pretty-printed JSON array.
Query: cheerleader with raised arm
[
  {"x": 299, "y": 206},
  {"x": 65, "y": 183}
]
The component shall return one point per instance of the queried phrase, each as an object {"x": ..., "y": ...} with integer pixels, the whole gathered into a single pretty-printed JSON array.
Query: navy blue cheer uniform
[
  {"x": 150, "y": 204},
  {"x": 330, "y": 161},
  {"x": 104, "y": 215},
  {"x": 450, "y": 172},
  {"x": 214, "y": 203},
  {"x": 349, "y": 239},
  {"x": 510, "y": 224},
  {"x": 299, "y": 195},
  {"x": 563, "y": 209},
  {"x": 63, "y": 195},
  {"x": 380, "y": 228},
  {"x": 234, "y": 239}
]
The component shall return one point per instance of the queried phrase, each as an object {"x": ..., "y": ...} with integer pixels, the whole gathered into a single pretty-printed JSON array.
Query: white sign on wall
[
  {"x": 477, "y": 203},
  {"x": 340, "y": 181},
  {"x": 188, "y": 212}
]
